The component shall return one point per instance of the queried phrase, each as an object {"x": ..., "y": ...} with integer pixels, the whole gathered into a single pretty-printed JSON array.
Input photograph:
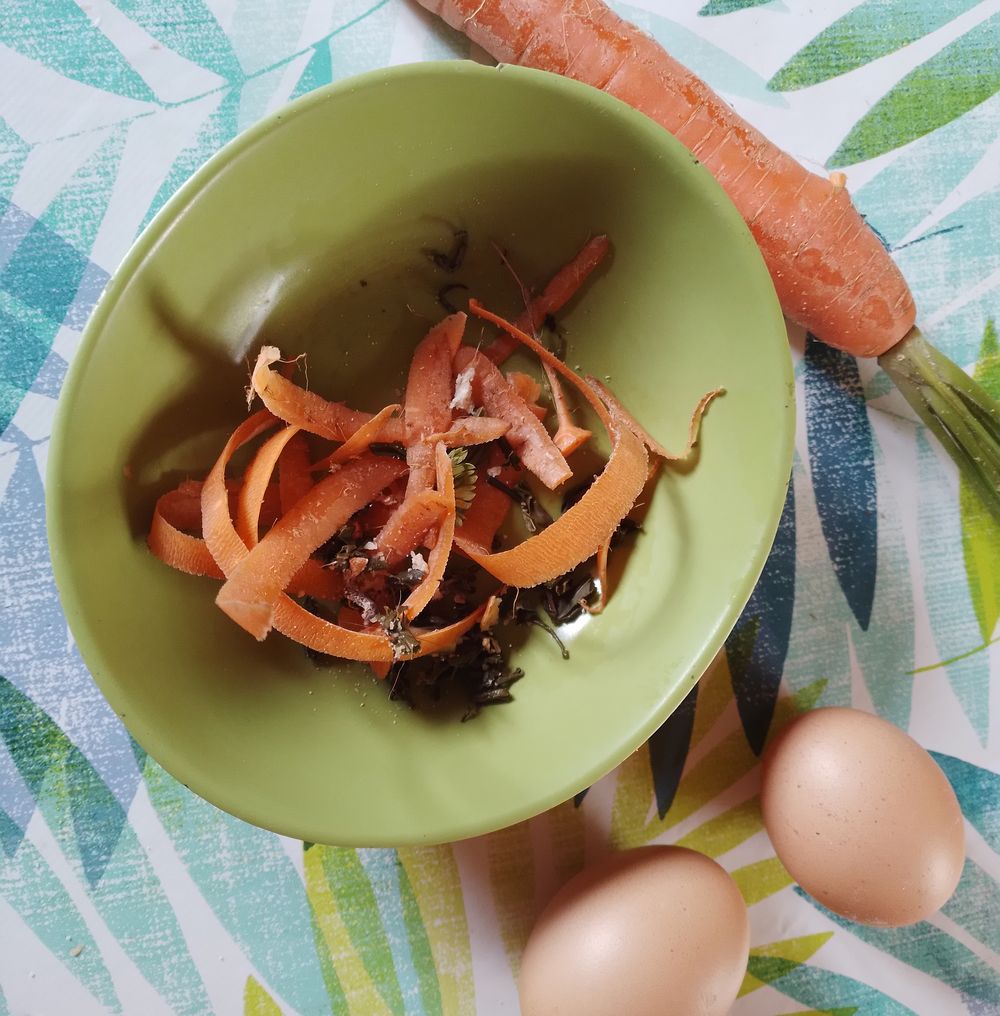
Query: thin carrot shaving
[
  {"x": 359, "y": 441},
  {"x": 490, "y": 506},
  {"x": 471, "y": 430},
  {"x": 253, "y": 587},
  {"x": 562, "y": 287},
  {"x": 304, "y": 409},
  {"x": 408, "y": 524},
  {"x": 526, "y": 435},
  {"x": 525, "y": 385},
  {"x": 255, "y": 482},
  {"x": 441, "y": 551},
  {"x": 294, "y": 480},
  {"x": 174, "y": 547},
  {"x": 651, "y": 443},
  {"x": 579, "y": 532},
  {"x": 568, "y": 436}
]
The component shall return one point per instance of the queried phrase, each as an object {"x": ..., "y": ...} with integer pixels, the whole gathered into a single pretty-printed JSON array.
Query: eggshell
[
  {"x": 862, "y": 817},
  {"x": 655, "y": 931}
]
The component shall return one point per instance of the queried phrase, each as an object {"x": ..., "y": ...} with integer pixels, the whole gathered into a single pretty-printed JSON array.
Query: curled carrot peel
[
  {"x": 651, "y": 443},
  {"x": 581, "y": 530},
  {"x": 408, "y": 524},
  {"x": 294, "y": 480},
  {"x": 359, "y": 441},
  {"x": 441, "y": 551},
  {"x": 252, "y": 588},
  {"x": 307, "y": 410},
  {"x": 255, "y": 482},
  {"x": 172, "y": 545},
  {"x": 490, "y": 505}
]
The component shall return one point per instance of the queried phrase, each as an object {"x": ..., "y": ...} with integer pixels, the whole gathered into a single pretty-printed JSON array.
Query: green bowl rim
[{"x": 618, "y": 747}]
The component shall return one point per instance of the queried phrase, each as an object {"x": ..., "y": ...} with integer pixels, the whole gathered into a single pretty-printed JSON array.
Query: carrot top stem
[{"x": 963, "y": 416}]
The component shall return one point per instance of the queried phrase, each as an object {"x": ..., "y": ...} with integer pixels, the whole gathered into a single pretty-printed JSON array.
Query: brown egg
[
  {"x": 658, "y": 931},
  {"x": 862, "y": 817}
]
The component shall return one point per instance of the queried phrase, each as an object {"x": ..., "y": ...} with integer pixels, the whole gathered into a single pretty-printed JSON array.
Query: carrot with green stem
[{"x": 831, "y": 272}]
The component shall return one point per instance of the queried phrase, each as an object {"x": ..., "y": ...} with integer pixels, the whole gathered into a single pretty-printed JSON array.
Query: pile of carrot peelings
[{"x": 345, "y": 526}]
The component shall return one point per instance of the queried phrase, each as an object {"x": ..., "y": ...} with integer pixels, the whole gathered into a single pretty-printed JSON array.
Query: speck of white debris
[
  {"x": 607, "y": 377},
  {"x": 494, "y": 471},
  {"x": 371, "y": 545},
  {"x": 463, "y": 390},
  {"x": 310, "y": 691},
  {"x": 417, "y": 562},
  {"x": 76, "y": 950}
]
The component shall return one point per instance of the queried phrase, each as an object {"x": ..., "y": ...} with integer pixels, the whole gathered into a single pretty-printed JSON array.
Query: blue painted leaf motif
[
  {"x": 927, "y": 948},
  {"x": 668, "y": 748},
  {"x": 757, "y": 647},
  {"x": 59, "y": 35},
  {"x": 978, "y": 792},
  {"x": 842, "y": 459},
  {"x": 976, "y": 905},
  {"x": 871, "y": 30},
  {"x": 823, "y": 989}
]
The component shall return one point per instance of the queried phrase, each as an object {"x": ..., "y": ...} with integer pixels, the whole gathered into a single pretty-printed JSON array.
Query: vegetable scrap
[{"x": 421, "y": 532}]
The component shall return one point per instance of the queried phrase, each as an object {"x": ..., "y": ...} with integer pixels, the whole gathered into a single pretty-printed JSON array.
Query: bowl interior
[{"x": 309, "y": 232}]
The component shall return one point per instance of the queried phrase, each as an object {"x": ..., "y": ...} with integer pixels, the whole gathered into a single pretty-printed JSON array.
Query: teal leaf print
[
  {"x": 58, "y": 34},
  {"x": 248, "y": 880},
  {"x": 189, "y": 28},
  {"x": 962, "y": 75},
  {"x": 90, "y": 826},
  {"x": 975, "y": 905},
  {"x": 318, "y": 71},
  {"x": 668, "y": 748},
  {"x": 214, "y": 132},
  {"x": 715, "y": 7},
  {"x": 33, "y": 890},
  {"x": 823, "y": 989},
  {"x": 925, "y": 947},
  {"x": 978, "y": 792},
  {"x": 871, "y": 30},
  {"x": 949, "y": 601},
  {"x": 912, "y": 186}
]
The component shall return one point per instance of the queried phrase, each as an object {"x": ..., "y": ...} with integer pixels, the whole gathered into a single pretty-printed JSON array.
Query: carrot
[
  {"x": 526, "y": 436},
  {"x": 290, "y": 618},
  {"x": 305, "y": 409},
  {"x": 174, "y": 547},
  {"x": 525, "y": 385},
  {"x": 489, "y": 507},
  {"x": 472, "y": 430},
  {"x": 256, "y": 479},
  {"x": 429, "y": 389},
  {"x": 406, "y": 526},
  {"x": 831, "y": 272},
  {"x": 441, "y": 551},
  {"x": 253, "y": 587},
  {"x": 562, "y": 287},
  {"x": 581, "y": 530},
  {"x": 359, "y": 441},
  {"x": 293, "y": 471},
  {"x": 568, "y": 436},
  {"x": 650, "y": 442}
]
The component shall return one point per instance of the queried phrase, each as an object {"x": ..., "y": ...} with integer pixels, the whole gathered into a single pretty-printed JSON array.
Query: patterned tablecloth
[{"x": 122, "y": 892}]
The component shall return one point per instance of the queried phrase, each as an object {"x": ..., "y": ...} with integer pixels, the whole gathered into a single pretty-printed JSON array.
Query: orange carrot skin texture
[
  {"x": 429, "y": 389},
  {"x": 831, "y": 273}
]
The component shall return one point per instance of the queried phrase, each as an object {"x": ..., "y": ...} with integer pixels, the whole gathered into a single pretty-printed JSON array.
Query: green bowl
[{"x": 308, "y": 232}]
